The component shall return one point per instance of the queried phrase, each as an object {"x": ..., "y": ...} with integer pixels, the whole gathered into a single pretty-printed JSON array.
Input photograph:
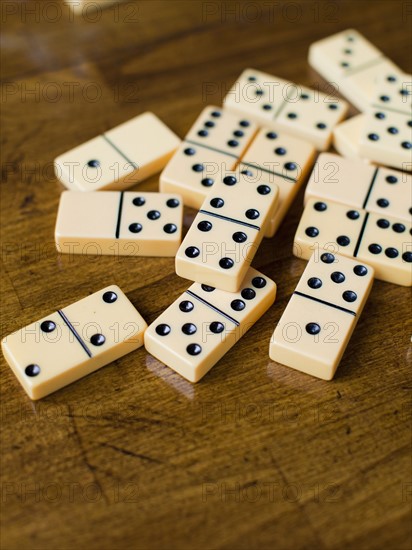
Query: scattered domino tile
[
  {"x": 386, "y": 136},
  {"x": 73, "y": 342},
  {"x": 379, "y": 240},
  {"x": 214, "y": 144},
  {"x": 300, "y": 111},
  {"x": 204, "y": 323},
  {"x": 119, "y": 158},
  {"x": 382, "y": 190},
  {"x": 119, "y": 223},
  {"x": 279, "y": 158},
  {"x": 346, "y": 137},
  {"x": 352, "y": 63},
  {"x": 227, "y": 231},
  {"x": 316, "y": 326}
]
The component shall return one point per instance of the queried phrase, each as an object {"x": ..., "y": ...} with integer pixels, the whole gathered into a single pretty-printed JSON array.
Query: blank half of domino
[
  {"x": 316, "y": 326},
  {"x": 74, "y": 341},
  {"x": 346, "y": 137},
  {"x": 204, "y": 323},
  {"x": 119, "y": 223}
]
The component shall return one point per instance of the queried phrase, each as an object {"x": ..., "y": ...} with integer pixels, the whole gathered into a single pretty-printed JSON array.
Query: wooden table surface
[{"x": 256, "y": 455}]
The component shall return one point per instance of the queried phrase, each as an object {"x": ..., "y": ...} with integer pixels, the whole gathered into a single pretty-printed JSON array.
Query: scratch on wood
[
  {"x": 83, "y": 453},
  {"x": 130, "y": 453},
  {"x": 300, "y": 505}
]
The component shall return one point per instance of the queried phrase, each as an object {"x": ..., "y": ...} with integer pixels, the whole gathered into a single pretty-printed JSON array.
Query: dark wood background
[{"x": 256, "y": 455}]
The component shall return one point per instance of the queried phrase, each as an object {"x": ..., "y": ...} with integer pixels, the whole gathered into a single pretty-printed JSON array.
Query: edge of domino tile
[
  {"x": 28, "y": 389},
  {"x": 315, "y": 50},
  {"x": 346, "y": 137},
  {"x": 83, "y": 6}
]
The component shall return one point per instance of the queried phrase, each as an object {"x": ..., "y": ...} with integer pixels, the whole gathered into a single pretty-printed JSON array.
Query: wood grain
[{"x": 133, "y": 456}]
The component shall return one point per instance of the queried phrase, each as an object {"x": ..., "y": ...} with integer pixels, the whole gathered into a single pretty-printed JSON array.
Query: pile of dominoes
[{"x": 240, "y": 166}]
